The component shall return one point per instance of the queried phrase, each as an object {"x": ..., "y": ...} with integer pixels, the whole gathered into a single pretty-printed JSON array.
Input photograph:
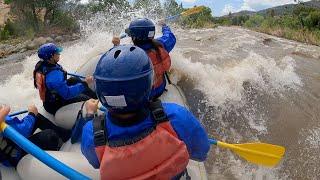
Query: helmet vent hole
[
  {"x": 117, "y": 53},
  {"x": 132, "y": 48}
]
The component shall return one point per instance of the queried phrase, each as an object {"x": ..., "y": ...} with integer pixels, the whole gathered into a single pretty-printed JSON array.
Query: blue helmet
[
  {"x": 141, "y": 29},
  {"x": 46, "y": 51},
  {"x": 123, "y": 79}
]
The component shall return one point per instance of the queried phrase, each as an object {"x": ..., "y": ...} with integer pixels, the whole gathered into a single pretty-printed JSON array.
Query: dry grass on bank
[{"x": 303, "y": 35}]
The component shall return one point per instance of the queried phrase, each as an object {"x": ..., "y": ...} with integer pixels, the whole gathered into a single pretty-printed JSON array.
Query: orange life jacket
[
  {"x": 41, "y": 86},
  {"x": 161, "y": 63},
  {"x": 39, "y": 76},
  {"x": 157, "y": 154}
]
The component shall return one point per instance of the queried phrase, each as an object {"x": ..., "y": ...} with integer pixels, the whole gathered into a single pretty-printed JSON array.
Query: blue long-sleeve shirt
[
  {"x": 24, "y": 127},
  {"x": 55, "y": 80},
  {"x": 187, "y": 127},
  {"x": 168, "y": 39}
]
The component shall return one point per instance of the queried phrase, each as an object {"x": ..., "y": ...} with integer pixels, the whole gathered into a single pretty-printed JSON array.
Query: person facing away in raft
[
  {"x": 142, "y": 32},
  {"x": 135, "y": 129},
  {"x": 50, "y": 79},
  {"x": 50, "y": 138}
]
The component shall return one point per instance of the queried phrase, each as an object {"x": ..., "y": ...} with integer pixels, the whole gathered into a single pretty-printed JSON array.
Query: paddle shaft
[
  {"x": 213, "y": 141},
  {"x": 171, "y": 18},
  {"x": 76, "y": 75},
  {"x": 41, "y": 155},
  {"x": 123, "y": 35},
  {"x": 185, "y": 13},
  {"x": 18, "y": 113}
]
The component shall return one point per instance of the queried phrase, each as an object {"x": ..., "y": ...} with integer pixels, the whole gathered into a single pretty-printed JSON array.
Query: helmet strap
[
  {"x": 129, "y": 118},
  {"x": 139, "y": 42},
  {"x": 51, "y": 61}
]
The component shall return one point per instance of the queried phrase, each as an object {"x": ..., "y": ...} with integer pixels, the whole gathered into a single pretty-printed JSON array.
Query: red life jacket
[
  {"x": 161, "y": 63},
  {"x": 39, "y": 75},
  {"x": 157, "y": 153}
]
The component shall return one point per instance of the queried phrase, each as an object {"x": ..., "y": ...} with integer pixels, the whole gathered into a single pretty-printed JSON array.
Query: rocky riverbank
[{"x": 20, "y": 48}]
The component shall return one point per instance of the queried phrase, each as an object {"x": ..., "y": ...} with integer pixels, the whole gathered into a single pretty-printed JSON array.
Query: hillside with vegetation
[
  {"x": 300, "y": 22},
  {"x": 25, "y": 24},
  {"x": 39, "y": 17}
]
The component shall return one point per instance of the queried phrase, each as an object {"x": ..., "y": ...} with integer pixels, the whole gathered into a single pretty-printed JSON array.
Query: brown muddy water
[{"x": 247, "y": 86}]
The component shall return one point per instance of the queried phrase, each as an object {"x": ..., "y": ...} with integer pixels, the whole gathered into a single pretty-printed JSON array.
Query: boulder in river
[
  {"x": 49, "y": 40},
  {"x": 31, "y": 45},
  {"x": 59, "y": 39},
  {"x": 198, "y": 38},
  {"x": 39, "y": 41}
]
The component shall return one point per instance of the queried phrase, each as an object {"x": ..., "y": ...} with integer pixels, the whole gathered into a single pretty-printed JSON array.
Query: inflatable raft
[{"x": 29, "y": 168}]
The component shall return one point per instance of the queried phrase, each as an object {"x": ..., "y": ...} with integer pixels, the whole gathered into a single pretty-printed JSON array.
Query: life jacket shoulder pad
[{"x": 161, "y": 63}]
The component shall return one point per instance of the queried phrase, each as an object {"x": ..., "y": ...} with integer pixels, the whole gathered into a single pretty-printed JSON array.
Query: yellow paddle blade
[
  {"x": 3, "y": 126},
  {"x": 193, "y": 10},
  {"x": 257, "y": 153}
]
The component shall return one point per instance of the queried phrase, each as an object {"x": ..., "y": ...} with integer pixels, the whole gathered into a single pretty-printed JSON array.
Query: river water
[
  {"x": 247, "y": 86},
  {"x": 242, "y": 85}
]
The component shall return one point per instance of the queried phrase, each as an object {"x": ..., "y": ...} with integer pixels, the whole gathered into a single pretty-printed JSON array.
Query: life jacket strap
[
  {"x": 157, "y": 111},
  {"x": 99, "y": 130},
  {"x": 168, "y": 77},
  {"x": 78, "y": 126},
  {"x": 101, "y": 133}
]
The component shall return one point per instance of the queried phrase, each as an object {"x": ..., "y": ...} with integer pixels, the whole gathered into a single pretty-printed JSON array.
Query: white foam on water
[
  {"x": 308, "y": 147},
  {"x": 252, "y": 172},
  {"x": 18, "y": 91},
  {"x": 313, "y": 139},
  {"x": 97, "y": 32},
  {"x": 238, "y": 169},
  {"x": 222, "y": 84}
]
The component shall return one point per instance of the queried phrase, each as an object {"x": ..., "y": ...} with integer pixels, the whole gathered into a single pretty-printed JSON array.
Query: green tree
[
  {"x": 254, "y": 21},
  {"x": 271, "y": 13},
  {"x": 302, "y": 12},
  {"x": 151, "y": 8},
  {"x": 103, "y": 5},
  {"x": 171, "y": 7},
  {"x": 239, "y": 20},
  {"x": 40, "y": 15},
  {"x": 35, "y": 11},
  {"x": 313, "y": 20},
  {"x": 202, "y": 19}
]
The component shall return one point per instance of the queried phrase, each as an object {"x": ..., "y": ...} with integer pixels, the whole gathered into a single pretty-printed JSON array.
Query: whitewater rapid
[{"x": 242, "y": 85}]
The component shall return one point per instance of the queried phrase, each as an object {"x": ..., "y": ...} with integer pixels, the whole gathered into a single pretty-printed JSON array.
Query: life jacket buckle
[
  {"x": 99, "y": 138},
  {"x": 159, "y": 115},
  {"x": 157, "y": 111}
]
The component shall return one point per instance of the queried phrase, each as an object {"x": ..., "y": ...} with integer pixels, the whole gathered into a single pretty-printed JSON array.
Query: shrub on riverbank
[
  {"x": 302, "y": 35},
  {"x": 290, "y": 27},
  {"x": 203, "y": 19},
  {"x": 32, "y": 18},
  {"x": 302, "y": 24}
]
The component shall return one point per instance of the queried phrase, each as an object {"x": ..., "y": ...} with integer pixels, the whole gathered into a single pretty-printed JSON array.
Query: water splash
[
  {"x": 224, "y": 84},
  {"x": 313, "y": 139},
  {"x": 228, "y": 94},
  {"x": 97, "y": 32}
]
